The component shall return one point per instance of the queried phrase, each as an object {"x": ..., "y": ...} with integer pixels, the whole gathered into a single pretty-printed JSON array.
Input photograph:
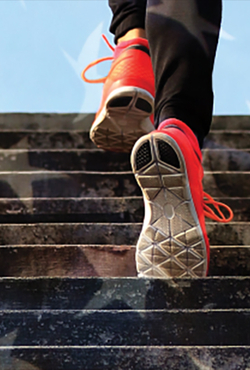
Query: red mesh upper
[{"x": 132, "y": 67}]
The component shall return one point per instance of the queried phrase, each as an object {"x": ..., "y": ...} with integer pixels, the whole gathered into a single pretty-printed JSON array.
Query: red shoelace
[
  {"x": 99, "y": 80},
  {"x": 209, "y": 212}
]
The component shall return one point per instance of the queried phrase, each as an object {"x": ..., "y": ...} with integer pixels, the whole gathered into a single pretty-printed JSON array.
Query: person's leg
[
  {"x": 183, "y": 36},
  {"x": 127, "y": 15},
  {"x": 167, "y": 163}
]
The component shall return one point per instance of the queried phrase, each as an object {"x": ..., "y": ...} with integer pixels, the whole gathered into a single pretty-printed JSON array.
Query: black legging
[{"x": 183, "y": 36}]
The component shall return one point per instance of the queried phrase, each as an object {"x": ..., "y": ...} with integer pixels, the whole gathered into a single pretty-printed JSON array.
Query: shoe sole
[
  {"x": 124, "y": 119},
  {"x": 171, "y": 243}
]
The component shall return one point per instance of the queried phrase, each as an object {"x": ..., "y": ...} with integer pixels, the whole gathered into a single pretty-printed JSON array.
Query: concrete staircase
[{"x": 70, "y": 217}]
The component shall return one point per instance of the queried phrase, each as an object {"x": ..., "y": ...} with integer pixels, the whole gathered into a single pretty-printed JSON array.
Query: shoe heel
[{"x": 124, "y": 118}]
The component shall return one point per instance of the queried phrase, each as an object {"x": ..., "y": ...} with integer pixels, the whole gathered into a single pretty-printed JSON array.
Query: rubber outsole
[
  {"x": 123, "y": 120},
  {"x": 171, "y": 243}
]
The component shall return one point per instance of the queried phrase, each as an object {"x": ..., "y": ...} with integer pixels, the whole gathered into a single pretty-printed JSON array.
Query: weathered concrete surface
[
  {"x": 97, "y": 209},
  {"x": 235, "y": 233},
  {"x": 76, "y": 121},
  {"x": 127, "y": 327},
  {"x": 104, "y": 294},
  {"x": 220, "y": 159},
  {"x": 127, "y": 358},
  {"x": 106, "y": 184},
  {"x": 103, "y": 260},
  {"x": 123, "y": 324}
]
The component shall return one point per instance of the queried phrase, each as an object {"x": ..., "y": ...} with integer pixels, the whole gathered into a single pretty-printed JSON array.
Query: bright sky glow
[{"x": 44, "y": 45}]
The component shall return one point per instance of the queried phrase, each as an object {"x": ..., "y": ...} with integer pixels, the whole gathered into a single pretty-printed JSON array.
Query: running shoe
[
  {"x": 126, "y": 110},
  {"x": 173, "y": 241}
]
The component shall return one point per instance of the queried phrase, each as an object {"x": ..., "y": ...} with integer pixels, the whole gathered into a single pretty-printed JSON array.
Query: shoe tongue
[{"x": 124, "y": 44}]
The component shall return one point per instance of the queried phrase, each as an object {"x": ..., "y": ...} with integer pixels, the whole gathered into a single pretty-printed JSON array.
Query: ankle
[{"x": 132, "y": 34}]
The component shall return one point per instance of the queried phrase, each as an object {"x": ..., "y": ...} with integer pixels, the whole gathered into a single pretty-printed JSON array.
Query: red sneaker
[
  {"x": 126, "y": 111},
  {"x": 167, "y": 166}
]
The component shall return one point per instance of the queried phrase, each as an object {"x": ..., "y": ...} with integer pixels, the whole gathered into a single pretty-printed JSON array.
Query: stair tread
[
  {"x": 127, "y": 327},
  {"x": 96, "y": 184},
  {"x": 60, "y": 139},
  {"x": 124, "y": 293},
  {"x": 92, "y": 209},
  {"x": 21, "y": 160},
  {"x": 58, "y": 260},
  {"x": 71, "y": 121},
  {"x": 123, "y": 357},
  {"x": 235, "y": 233},
  {"x": 115, "y": 210}
]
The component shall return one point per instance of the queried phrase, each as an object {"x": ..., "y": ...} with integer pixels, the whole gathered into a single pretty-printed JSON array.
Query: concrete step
[
  {"x": 46, "y": 121},
  {"x": 227, "y": 139},
  {"x": 63, "y": 160},
  {"x": 31, "y": 139},
  {"x": 75, "y": 121},
  {"x": 116, "y": 209},
  {"x": 125, "y": 357},
  {"x": 101, "y": 323},
  {"x": 118, "y": 312},
  {"x": 237, "y": 122},
  {"x": 121, "y": 327},
  {"x": 124, "y": 293},
  {"x": 226, "y": 160},
  {"x": 67, "y": 184},
  {"x": 98, "y": 160},
  {"x": 67, "y": 131},
  {"x": 113, "y": 209},
  {"x": 234, "y": 233},
  {"x": 72, "y": 184},
  {"x": 60, "y": 260}
]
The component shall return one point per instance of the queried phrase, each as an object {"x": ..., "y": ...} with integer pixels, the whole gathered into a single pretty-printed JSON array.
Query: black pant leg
[
  {"x": 127, "y": 14},
  {"x": 183, "y": 36}
]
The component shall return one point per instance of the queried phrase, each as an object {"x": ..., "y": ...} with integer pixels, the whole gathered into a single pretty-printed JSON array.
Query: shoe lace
[
  {"x": 99, "y": 80},
  {"x": 208, "y": 211}
]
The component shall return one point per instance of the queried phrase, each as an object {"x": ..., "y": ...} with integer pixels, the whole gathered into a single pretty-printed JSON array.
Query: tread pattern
[
  {"x": 125, "y": 120},
  {"x": 171, "y": 243}
]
